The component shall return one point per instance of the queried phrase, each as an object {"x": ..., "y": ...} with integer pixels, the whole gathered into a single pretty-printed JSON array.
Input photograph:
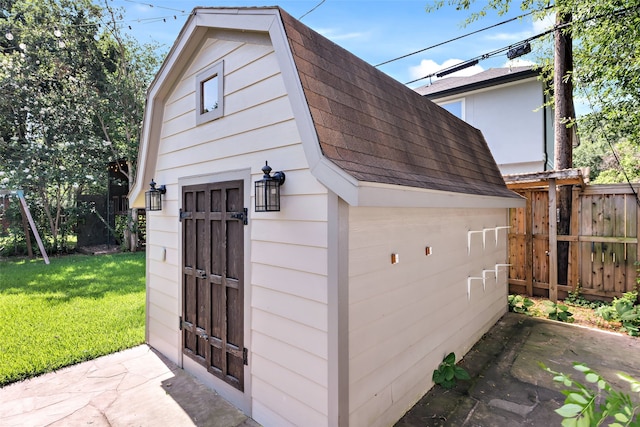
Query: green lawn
[{"x": 77, "y": 308}]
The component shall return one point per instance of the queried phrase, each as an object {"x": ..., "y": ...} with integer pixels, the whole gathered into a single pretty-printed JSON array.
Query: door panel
[{"x": 213, "y": 282}]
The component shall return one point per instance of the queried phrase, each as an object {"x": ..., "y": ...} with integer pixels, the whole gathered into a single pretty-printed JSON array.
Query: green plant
[
  {"x": 519, "y": 304},
  {"x": 576, "y": 298},
  {"x": 624, "y": 310},
  {"x": 584, "y": 406},
  {"x": 559, "y": 312},
  {"x": 448, "y": 372}
]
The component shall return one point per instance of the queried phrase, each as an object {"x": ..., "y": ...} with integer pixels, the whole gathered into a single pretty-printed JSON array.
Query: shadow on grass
[{"x": 74, "y": 276}]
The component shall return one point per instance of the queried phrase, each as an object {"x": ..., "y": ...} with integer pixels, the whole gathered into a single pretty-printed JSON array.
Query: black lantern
[
  {"x": 153, "y": 197},
  {"x": 268, "y": 190}
]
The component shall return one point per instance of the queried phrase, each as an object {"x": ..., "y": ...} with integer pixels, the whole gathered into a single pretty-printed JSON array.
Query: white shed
[{"x": 385, "y": 255}]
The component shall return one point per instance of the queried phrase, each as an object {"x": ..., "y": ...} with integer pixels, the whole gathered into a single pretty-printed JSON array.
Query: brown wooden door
[{"x": 213, "y": 218}]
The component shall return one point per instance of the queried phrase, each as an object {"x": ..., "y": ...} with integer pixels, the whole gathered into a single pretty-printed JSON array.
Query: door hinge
[
  {"x": 245, "y": 356},
  {"x": 180, "y": 326},
  {"x": 184, "y": 215},
  {"x": 244, "y": 216}
]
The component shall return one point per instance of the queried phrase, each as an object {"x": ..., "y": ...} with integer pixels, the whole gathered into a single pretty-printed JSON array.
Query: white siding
[
  {"x": 511, "y": 119},
  {"x": 286, "y": 284},
  {"x": 404, "y": 318}
]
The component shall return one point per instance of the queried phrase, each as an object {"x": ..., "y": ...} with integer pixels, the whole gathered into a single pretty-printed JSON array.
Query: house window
[
  {"x": 455, "y": 107},
  {"x": 210, "y": 94}
]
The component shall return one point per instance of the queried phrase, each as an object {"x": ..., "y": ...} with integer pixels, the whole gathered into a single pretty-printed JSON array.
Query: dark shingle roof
[
  {"x": 487, "y": 78},
  {"x": 378, "y": 130}
]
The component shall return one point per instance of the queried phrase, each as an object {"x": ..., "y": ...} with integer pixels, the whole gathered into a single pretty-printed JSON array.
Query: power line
[
  {"x": 482, "y": 57},
  {"x": 311, "y": 10},
  {"x": 153, "y": 5},
  {"x": 460, "y": 37},
  {"x": 475, "y": 60}
]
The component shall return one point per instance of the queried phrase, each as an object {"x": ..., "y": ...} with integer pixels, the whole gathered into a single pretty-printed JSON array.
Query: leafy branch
[{"x": 584, "y": 406}]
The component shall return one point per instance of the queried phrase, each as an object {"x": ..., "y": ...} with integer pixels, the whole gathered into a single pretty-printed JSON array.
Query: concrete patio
[
  {"x": 135, "y": 387},
  {"x": 138, "y": 387}
]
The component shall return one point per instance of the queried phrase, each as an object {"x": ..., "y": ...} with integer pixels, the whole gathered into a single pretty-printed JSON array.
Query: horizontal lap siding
[
  {"x": 288, "y": 249},
  {"x": 404, "y": 318}
]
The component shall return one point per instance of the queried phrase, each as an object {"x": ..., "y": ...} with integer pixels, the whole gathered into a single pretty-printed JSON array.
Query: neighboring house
[
  {"x": 506, "y": 104},
  {"x": 336, "y": 309}
]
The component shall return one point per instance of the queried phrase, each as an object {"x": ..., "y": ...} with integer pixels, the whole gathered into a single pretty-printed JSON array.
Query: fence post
[{"x": 553, "y": 242}]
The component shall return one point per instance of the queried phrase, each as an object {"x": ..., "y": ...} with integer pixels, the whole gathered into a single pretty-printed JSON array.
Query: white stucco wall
[
  {"x": 404, "y": 318},
  {"x": 285, "y": 252},
  {"x": 512, "y": 121}
]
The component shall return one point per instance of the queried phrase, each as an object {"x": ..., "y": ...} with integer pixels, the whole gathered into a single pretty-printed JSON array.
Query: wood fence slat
[
  {"x": 603, "y": 243},
  {"x": 528, "y": 259}
]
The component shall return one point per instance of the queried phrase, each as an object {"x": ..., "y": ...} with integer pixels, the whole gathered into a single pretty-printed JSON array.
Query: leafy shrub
[
  {"x": 623, "y": 310},
  {"x": 559, "y": 312},
  {"x": 519, "y": 304},
  {"x": 448, "y": 373},
  {"x": 575, "y": 298},
  {"x": 585, "y": 407}
]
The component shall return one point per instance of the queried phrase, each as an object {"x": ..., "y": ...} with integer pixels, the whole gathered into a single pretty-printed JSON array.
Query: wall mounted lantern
[
  {"x": 153, "y": 197},
  {"x": 268, "y": 190}
]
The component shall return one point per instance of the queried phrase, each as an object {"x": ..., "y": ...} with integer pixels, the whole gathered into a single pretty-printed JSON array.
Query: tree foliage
[
  {"x": 71, "y": 100},
  {"x": 606, "y": 55}
]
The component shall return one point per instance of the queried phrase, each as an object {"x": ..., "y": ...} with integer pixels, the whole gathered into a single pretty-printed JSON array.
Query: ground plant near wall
[
  {"x": 76, "y": 308},
  {"x": 559, "y": 312},
  {"x": 596, "y": 402},
  {"x": 576, "y": 299},
  {"x": 584, "y": 312},
  {"x": 520, "y": 304},
  {"x": 625, "y": 311},
  {"x": 448, "y": 373}
]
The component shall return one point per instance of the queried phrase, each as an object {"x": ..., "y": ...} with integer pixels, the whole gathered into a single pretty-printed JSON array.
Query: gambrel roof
[
  {"x": 378, "y": 130},
  {"x": 366, "y": 136}
]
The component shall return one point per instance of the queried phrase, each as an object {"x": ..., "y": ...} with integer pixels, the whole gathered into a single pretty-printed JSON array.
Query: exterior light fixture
[
  {"x": 268, "y": 190},
  {"x": 153, "y": 197}
]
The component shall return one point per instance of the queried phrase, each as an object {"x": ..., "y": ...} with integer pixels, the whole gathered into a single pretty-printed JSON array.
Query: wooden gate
[
  {"x": 603, "y": 245},
  {"x": 212, "y": 321}
]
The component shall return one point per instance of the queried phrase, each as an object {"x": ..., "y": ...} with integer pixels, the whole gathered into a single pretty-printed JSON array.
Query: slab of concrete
[
  {"x": 135, "y": 387},
  {"x": 139, "y": 387},
  {"x": 509, "y": 388}
]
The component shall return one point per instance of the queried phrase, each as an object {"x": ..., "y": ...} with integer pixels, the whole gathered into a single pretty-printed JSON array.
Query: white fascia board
[
  {"x": 387, "y": 195},
  {"x": 195, "y": 28},
  {"x": 448, "y": 98},
  {"x": 325, "y": 171}
]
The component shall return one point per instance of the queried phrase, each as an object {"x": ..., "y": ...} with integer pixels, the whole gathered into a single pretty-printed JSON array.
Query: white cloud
[
  {"x": 510, "y": 37},
  {"x": 542, "y": 25},
  {"x": 428, "y": 66},
  {"x": 333, "y": 34},
  {"x": 518, "y": 62}
]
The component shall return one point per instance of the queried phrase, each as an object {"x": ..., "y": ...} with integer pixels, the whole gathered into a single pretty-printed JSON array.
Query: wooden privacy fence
[{"x": 603, "y": 244}]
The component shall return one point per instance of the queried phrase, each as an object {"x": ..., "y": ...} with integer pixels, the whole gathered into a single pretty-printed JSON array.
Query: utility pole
[{"x": 564, "y": 113}]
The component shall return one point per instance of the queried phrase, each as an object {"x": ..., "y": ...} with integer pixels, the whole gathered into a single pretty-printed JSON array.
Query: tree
[{"x": 71, "y": 100}]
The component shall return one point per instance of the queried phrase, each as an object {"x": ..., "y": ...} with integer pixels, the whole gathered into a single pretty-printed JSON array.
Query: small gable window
[{"x": 210, "y": 94}]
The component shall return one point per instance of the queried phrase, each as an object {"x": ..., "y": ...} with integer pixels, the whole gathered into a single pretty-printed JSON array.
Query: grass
[{"x": 77, "y": 308}]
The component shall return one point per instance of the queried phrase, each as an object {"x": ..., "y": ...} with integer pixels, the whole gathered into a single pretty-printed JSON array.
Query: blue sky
[{"x": 376, "y": 31}]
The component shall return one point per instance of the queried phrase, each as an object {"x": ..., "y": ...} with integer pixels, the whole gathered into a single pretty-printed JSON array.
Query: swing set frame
[{"x": 24, "y": 210}]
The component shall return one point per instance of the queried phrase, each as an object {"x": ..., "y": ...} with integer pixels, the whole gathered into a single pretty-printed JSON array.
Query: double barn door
[{"x": 212, "y": 323}]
